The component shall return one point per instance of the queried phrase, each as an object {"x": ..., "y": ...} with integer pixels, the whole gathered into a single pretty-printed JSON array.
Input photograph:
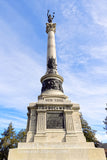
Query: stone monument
[{"x": 54, "y": 129}]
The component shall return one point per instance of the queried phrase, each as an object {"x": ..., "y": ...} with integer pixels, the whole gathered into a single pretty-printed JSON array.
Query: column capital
[{"x": 50, "y": 27}]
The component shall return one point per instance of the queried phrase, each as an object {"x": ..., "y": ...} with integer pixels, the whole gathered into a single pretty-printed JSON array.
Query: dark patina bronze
[
  {"x": 55, "y": 120},
  {"x": 50, "y": 18},
  {"x": 52, "y": 84}
]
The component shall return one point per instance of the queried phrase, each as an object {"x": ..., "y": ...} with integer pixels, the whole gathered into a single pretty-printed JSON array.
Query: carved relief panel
[
  {"x": 32, "y": 125},
  {"x": 69, "y": 122},
  {"x": 77, "y": 122},
  {"x": 41, "y": 122}
]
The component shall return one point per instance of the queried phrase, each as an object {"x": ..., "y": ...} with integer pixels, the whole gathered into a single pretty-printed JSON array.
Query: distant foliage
[
  {"x": 21, "y": 136},
  {"x": 89, "y": 133},
  {"x": 10, "y": 140},
  {"x": 7, "y": 141},
  {"x": 105, "y": 122}
]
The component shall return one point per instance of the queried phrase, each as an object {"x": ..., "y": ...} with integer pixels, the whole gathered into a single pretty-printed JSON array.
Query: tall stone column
[
  {"x": 51, "y": 81},
  {"x": 51, "y": 49}
]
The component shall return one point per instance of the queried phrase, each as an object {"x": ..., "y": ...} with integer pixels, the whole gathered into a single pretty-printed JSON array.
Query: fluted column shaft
[{"x": 51, "y": 50}]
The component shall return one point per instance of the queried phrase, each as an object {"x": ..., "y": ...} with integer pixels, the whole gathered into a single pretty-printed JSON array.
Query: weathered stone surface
[
  {"x": 53, "y": 115},
  {"x": 41, "y": 121},
  {"x": 55, "y": 145},
  {"x": 62, "y": 153}
]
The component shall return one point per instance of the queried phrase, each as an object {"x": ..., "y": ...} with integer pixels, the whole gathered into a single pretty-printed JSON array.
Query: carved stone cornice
[
  {"x": 50, "y": 27},
  {"x": 51, "y": 76}
]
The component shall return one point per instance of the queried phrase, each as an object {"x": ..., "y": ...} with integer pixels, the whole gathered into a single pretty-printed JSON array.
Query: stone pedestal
[
  {"x": 57, "y": 151},
  {"x": 54, "y": 120},
  {"x": 55, "y": 133}
]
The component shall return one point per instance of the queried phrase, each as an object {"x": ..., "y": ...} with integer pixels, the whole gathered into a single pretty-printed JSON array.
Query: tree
[
  {"x": 89, "y": 133},
  {"x": 7, "y": 141},
  {"x": 21, "y": 136},
  {"x": 105, "y": 122},
  {"x": 10, "y": 140}
]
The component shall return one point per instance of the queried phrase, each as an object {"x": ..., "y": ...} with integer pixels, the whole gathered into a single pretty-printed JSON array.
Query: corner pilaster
[
  {"x": 41, "y": 126},
  {"x": 32, "y": 125}
]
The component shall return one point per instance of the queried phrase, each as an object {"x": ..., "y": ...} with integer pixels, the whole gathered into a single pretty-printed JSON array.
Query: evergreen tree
[
  {"x": 7, "y": 141},
  {"x": 21, "y": 136},
  {"x": 105, "y": 121},
  {"x": 89, "y": 133}
]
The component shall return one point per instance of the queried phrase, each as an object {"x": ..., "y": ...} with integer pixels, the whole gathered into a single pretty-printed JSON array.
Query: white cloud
[
  {"x": 17, "y": 118},
  {"x": 100, "y": 70},
  {"x": 81, "y": 84},
  {"x": 69, "y": 9},
  {"x": 102, "y": 137},
  {"x": 19, "y": 79},
  {"x": 98, "y": 11},
  {"x": 20, "y": 73},
  {"x": 18, "y": 123},
  {"x": 97, "y": 52}
]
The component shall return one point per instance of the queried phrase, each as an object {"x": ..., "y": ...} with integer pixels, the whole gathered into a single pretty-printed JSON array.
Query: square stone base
[{"x": 55, "y": 151}]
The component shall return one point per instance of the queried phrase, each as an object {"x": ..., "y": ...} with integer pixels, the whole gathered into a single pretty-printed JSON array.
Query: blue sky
[{"x": 81, "y": 47}]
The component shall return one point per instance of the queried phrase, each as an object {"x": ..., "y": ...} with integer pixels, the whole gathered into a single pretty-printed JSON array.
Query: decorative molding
[
  {"x": 50, "y": 27},
  {"x": 51, "y": 75},
  {"x": 54, "y": 108}
]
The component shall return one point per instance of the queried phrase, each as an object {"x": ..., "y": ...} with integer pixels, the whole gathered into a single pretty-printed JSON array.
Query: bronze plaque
[{"x": 55, "y": 120}]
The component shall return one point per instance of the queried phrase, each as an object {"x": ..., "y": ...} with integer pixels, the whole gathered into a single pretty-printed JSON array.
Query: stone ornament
[
  {"x": 50, "y": 27},
  {"x": 54, "y": 108}
]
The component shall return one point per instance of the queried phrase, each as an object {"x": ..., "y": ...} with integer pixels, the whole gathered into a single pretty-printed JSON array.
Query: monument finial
[{"x": 50, "y": 18}]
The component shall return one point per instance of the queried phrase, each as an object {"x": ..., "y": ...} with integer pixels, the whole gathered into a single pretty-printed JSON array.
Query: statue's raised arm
[{"x": 50, "y": 18}]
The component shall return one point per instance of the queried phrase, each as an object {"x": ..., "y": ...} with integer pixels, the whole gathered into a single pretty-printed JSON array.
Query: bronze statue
[{"x": 50, "y": 18}]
